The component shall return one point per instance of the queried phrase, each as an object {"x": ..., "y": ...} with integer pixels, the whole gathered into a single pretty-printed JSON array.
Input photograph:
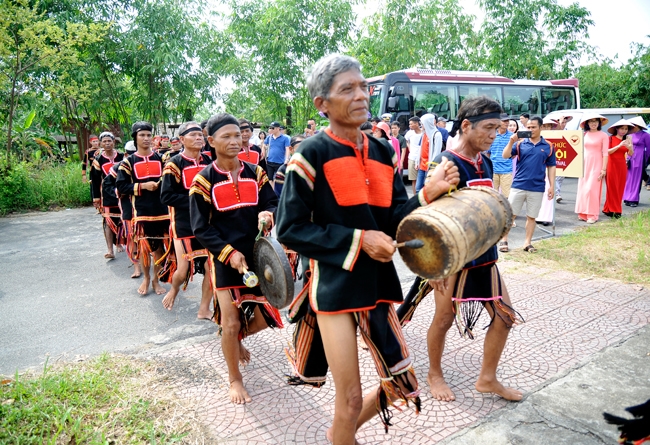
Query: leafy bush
[{"x": 40, "y": 185}]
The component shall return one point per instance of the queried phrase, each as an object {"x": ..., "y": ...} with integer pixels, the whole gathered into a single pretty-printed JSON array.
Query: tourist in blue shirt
[
  {"x": 278, "y": 144},
  {"x": 502, "y": 178},
  {"x": 534, "y": 158}
]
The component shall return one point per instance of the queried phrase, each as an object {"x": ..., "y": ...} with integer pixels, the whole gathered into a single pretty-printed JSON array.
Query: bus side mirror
[{"x": 392, "y": 102}]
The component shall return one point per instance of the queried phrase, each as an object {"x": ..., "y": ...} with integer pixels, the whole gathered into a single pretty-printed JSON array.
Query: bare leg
[
  {"x": 230, "y": 345},
  {"x": 144, "y": 287},
  {"x": 158, "y": 289},
  {"x": 206, "y": 296},
  {"x": 137, "y": 270},
  {"x": 442, "y": 321},
  {"x": 182, "y": 266},
  {"x": 530, "y": 229},
  {"x": 109, "y": 236},
  {"x": 340, "y": 342},
  {"x": 495, "y": 341},
  {"x": 255, "y": 324}
]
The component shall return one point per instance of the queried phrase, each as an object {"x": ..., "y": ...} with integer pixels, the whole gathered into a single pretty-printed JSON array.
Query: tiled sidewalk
[{"x": 567, "y": 320}]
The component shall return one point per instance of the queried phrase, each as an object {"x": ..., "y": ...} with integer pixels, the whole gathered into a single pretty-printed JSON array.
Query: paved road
[{"x": 60, "y": 298}]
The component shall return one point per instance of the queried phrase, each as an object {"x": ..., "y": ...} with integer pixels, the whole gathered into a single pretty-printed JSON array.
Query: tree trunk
[{"x": 12, "y": 105}]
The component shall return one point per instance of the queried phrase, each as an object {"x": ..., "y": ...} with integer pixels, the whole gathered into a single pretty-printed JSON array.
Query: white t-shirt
[{"x": 415, "y": 142}]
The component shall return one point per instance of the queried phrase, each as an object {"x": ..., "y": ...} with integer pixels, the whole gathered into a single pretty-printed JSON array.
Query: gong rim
[{"x": 268, "y": 254}]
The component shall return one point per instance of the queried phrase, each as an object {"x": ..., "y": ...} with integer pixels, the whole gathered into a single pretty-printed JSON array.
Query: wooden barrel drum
[{"x": 455, "y": 229}]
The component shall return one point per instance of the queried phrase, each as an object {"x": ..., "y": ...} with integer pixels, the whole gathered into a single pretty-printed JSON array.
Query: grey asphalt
[{"x": 60, "y": 299}]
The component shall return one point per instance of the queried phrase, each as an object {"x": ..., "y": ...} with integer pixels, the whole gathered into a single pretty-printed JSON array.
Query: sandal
[
  {"x": 503, "y": 246},
  {"x": 530, "y": 248}
]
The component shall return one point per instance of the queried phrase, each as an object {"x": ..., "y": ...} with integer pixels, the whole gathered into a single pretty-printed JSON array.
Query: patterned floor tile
[{"x": 567, "y": 320}]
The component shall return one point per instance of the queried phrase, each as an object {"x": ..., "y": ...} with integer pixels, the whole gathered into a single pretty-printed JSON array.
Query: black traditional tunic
[
  {"x": 479, "y": 282},
  {"x": 150, "y": 215},
  {"x": 224, "y": 216},
  {"x": 224, "y": 219},
  {"x": 89, "y": 157},
  {"x": 169, "y": 154},
  {"x": 331, "y": 195},
  {"x": 125, "y": 231},
  {"x": 178, "y": 174},
  {"x": 253, "y": 155},
  {"x": 101, "y": 168}
]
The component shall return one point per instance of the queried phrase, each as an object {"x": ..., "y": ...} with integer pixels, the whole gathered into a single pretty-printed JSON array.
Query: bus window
[
  {"x": 518, "y": 100},
  {"x": 554, "y": 99},
  {"x": 376, "y": 98},
  {"x": 435, "y": 98},
  {"x": 493, "y": 92}
]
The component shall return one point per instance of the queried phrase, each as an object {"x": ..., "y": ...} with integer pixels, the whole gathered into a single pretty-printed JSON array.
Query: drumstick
[{"x": 412, "y": 244}]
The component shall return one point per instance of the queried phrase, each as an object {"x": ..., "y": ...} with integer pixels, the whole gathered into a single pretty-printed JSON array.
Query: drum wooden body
[{"x": 455, "y": 229}]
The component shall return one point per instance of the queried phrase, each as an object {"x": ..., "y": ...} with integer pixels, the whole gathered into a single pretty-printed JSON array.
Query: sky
[{"x": 617, "y": 23}]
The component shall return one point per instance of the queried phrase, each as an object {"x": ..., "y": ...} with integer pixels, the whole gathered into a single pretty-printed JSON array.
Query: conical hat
[
  {"x": 639, "y": 121},
  {"x": 589, "y": 116},
  {"x": 612, "y": 130}
]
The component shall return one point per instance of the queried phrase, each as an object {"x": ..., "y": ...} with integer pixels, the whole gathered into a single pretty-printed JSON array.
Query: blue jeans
[{"x": 419, "y": 182}]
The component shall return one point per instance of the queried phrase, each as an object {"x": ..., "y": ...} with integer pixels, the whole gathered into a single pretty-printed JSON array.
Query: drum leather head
[{"x": 274, "y": 272}]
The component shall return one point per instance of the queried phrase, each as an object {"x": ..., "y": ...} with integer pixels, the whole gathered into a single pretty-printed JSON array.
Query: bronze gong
[{"x": 274, "y": 272}]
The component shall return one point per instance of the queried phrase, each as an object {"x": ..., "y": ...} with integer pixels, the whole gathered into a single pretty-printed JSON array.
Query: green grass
[
  {"x": 108, "y": 400},
  {"x": 616, "y": 249},
  {"x": 41, "y": 186}
]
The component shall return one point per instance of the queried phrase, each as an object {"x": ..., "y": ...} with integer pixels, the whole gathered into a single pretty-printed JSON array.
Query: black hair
[
  {"x": 203, "y": 124},
  {"x": 538, "y": 119},
  {"x": 415, "y": 119},
  {"x": 219, "y": 120},
  {"x": 475, "y": 106},
  {"x": 526, "y": 115},
  {"x": 376, "y": 120},
  {"x": 243, "y": 121},
  {"x": 515, "y": 121},
  {"x": 385, "y": 136},
  {"x": 296, "y": 139},
  {"x": 395, "y": 123},
  {"x": 600, "y": 124},
  {"x": 366, "y": 126}
]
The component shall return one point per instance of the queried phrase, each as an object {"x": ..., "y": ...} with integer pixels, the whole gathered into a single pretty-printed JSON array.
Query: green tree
[
  {"x": 173, "y": 59},
  {"x": 536, "y": 39},
  {"x": 277, "y": 41},
  {"x": 32, "y": 46},
  {"x": 422, "y": 33}
]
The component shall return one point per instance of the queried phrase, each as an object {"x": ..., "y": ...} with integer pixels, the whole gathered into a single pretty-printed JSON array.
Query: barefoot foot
[
  {"x": 244, "y": 355},
  {"x": 330, "y": 436},
  {"x": 136, "y": 271},
  {"x": 439, "y": 388},
  {"x": 168, "y": 301},
  {"x": 144, "y": 287},
  {"x": 120, "y": 248},
  {"x": 109, "y": 256},
  {"x": 497, "y": 388},
  {"x": 205, "y": 315},
  {"x": 238, "y": 394},
  {"x": 157, "y": 288}
]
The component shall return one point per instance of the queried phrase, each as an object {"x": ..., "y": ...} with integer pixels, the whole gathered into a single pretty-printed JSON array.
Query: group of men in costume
[{"x": 341, "y": 200}]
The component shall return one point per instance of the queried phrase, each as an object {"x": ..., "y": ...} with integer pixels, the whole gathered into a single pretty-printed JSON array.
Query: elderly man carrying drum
[{"x": 342, "y": 201}]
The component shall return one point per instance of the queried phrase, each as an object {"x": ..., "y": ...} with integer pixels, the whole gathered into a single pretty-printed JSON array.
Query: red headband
[{"x": 94, "y": 139}]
